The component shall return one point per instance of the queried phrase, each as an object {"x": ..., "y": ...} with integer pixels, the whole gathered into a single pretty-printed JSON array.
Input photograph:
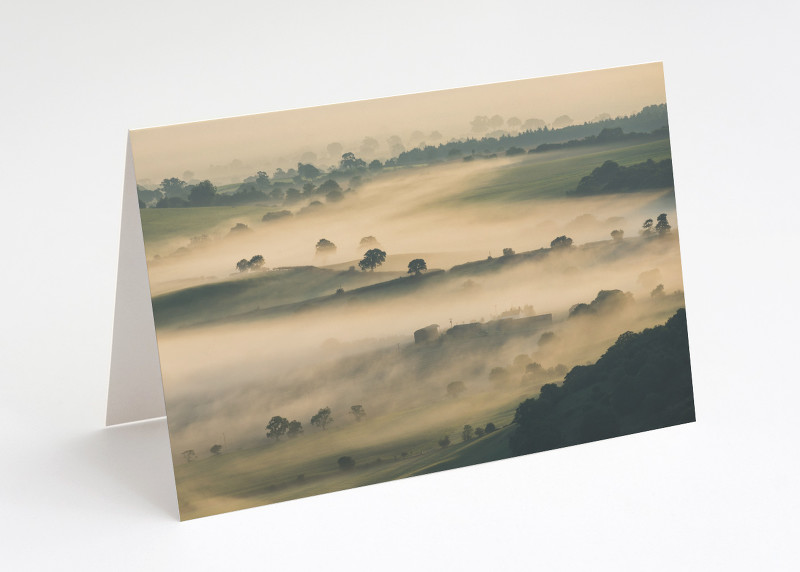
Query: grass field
[
  {"x": 162, "y": 225},
  {"x": 551, "y": 174},
  {"x": 237, "y": 480}
]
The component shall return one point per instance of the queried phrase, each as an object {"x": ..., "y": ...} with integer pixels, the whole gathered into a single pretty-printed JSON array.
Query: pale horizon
[{"x": 223, "y": 150}]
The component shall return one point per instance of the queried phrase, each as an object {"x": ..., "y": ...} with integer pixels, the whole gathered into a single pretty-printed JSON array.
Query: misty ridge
[
  {"x": 483, "y": 136},
  {"x": 328, "y": 327}
]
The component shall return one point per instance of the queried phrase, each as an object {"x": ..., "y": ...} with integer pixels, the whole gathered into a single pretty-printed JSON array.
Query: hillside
[{"x": 642, "y": 382}]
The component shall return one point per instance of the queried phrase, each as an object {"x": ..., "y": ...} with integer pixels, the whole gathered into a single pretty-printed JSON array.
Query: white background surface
[{"x": 720, "y": 494}]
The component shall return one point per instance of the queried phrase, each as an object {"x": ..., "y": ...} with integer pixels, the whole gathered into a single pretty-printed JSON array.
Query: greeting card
[{"x": 345, "y": 295}]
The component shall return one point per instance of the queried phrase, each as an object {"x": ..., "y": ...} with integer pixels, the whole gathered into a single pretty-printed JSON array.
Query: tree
[
  {"x": 616, "y": 235},
  {"x": 455, "y": 388},
  {"x": 308, "y": 171},
  {"x": 444, "y": 441},
  {"x": 256, "y": 262},
  {"x": 368, "y": 241},
  {"x": 322, "y": 418},
  {"x": 346, "y": 463},
  {"x": 174, "y": 188},
  {"x": 276, "y": 427},
  {"x": 262, "y": 180},
  {"x": 294, "y": 429},
  {"x": 662, "y": 226},
  {"x": 647, "y": 226},
  {"x": 325, "y": 246},
  {"x": 561, "y": 242},
  {"x": 479, "y": 432},
  {"x": 202, "y": 194},
  {"x": 216, "y": 449},
  {"x": 490, "y": 428},
  {"x": 350, "y": 161},
  {"x": 243, "y": 265},
  {"x": 189, "y": 455},
  {"x": 357, "y": 411},
  {"x": 375, "y": 165},
  {"x": 327, "y": 187},
  {"x": 372, "y": 258},
  {"x": 508, "y": 252},
  {"x": 416, "y": 266},
  {"x": 466, "y": 433}
]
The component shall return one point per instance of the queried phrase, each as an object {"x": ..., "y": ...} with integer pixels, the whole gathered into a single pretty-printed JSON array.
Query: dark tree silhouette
[
  {"x": 350, "y": 161},
  {"x": 325, "y": 246},
  {"x": 466, "y": 433},
  {"x": 647, "y": 226},
  {"x": 202, "y": 194},
  {"x": 561, "y": 242},
  {"x": 346, "y": 463},
  {"x": 294, "y": 429},
  {"x": 308, "y": 171},
  {"x": 216, "y": 449},
  {"x": 662, "y": 226},
  {"x": 256, "y": 262},
  {"x": 322, "y": 418},
  {"x": 490, "y": 428},
  {"x": 372, "y": 258},
  {"x": 479, "y": 432},
  {"x": 276, "y": 427},
  {"x": 508, "y": 252},
  {"x": 617, "y": 234},
  {"x": 444, "y": 441},
  {"x": 416, "y": 266},
  {"x": 357, "y": 411},
  {"x": 243, "y": 265}
]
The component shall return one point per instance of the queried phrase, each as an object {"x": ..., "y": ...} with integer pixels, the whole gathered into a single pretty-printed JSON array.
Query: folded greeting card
[{"x": 362, "y": 292}]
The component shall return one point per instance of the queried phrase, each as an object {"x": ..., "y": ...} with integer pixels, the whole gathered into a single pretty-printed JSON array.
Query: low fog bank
[
  {"x": 404, "y": 213},
  {"x": 231, "y": 379}
]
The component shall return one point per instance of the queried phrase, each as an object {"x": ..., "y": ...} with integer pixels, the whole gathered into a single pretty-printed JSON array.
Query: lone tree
[
  {"x": 372, "y": 258},
  {"x": 416, "y": 266},
  {"x": 617, "y": 235},
  {"x": 294, "y": 429},
  {"x": 561, "y": 242},
  {"x": 479, "y": 432},
  {"x": 662, "y": 226},
  {"x": 189, "y": 455},
  {"x": 368, "y": 242},
  {"x": 466, "y": 433},
  {"x": 325, "y": 246},
  {"x": 358, "y": 412},
  {"x": 256, "y": 262},
  {"x": 346, "y": 463},
  {"x": 216, "y": 449},
  {"x": 444, "y": 441},
  {"x": 647, "y": 226},
  {"x": 322, "y": 418},
  {"x": 455, "y": 388},
  {"x": 243, "y": 265},
  {"x": 490, "y": 428},
  {"x": 276, "y": 427},
  {"x": 508, "y": 252}
]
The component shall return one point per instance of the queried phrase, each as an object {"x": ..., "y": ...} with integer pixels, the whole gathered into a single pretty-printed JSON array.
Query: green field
[
  {"x": 550, "y": 175},
  {"x": 162, "y": 225},
  {"x": 237, "y": 479}
]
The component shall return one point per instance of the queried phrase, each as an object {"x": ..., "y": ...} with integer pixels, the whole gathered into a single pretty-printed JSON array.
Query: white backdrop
[{"x": 720, "y": 494}]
